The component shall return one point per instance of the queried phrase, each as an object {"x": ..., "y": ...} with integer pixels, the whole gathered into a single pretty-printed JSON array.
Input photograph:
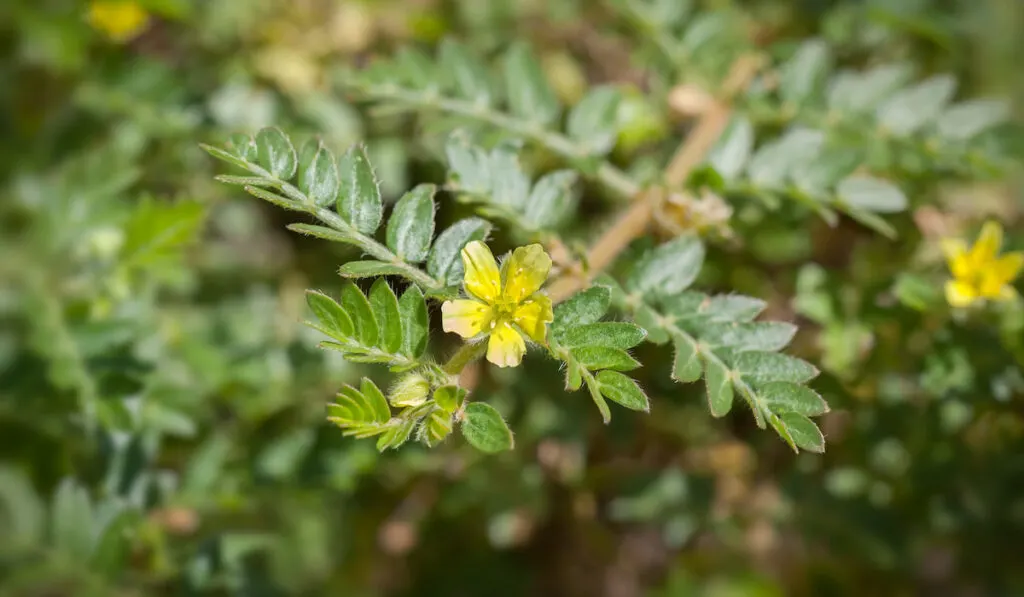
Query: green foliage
[{"x": 169, "y": 427}]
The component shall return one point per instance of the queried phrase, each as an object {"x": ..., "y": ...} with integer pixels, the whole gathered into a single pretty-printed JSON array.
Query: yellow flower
[
  {"x": 120, "y": 20},
  {"x": 503, "y": 304},
  {"x": 978, "y": 272}
]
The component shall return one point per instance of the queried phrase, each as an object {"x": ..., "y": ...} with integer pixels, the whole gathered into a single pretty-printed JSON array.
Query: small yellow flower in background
[
  {"x": 503, "y": 304},
  {"x": 979, "y": 273},
  {"x": 120, "y": 20}
]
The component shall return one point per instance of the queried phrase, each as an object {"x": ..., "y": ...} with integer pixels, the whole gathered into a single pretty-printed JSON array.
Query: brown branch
[{"x": 634, "y": 221}]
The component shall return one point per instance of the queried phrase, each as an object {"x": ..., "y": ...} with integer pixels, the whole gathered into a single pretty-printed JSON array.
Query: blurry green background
[{"x": 137, "y": 292}]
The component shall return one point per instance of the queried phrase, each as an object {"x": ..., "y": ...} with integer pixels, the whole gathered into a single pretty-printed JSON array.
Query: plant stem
[{"x": 465, "y": 355}]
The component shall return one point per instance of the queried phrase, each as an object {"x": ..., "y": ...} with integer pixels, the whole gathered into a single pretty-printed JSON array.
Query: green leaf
[
  {"x": 965, "y": 120},
  {"x": 450, "y": 398},
  {"x": 112, "y": 539},
  {"x": 412, "y": 224},
  {"x": 613, "y": 334},
  {"x": 22, "y": 513},
  {"x": 781, "y": 429},
  {"x": 804, "y": 73},
  {"x": 358, "y": 310},
  {"x": 550, "y": 200},
  {"x": 804, "y": 432},
  {"x": 670, "y": 268},
  {"x": 319, "y": 180},
  {"x": 72, "y": 520},
  {"x": 509, "y": 185},
  {"x": 384, "y": 305},
  {"x": 325, "y": 233},
  {"x": 584, "y": 307},
  {"x": 872, "y": 194},
  {"x": 467, "y": 76},
  {"x": 332, "y": 317},
  {"x": 686, "y": 365},
  {"x": 415, "y": 68},
  {"x": 913, "y": 108},
  {"x": 445, "y": 262},
  {"x": 157, "y": 232},
  {"x": 484, "y": 429},
  {"x": 862, "y": 92},
  {"x": 371, "y": 269},
  {"x": 603, "y": 357},
  {"x": 530, "y": 96},
  {"x": 783, "y": 397},
  {"x": 732, "y": 307},
  {"x": 775, "y": 162},
  {"x": 719, "y": 386},
  {"x": 244, "y": 146},
  {"x": 225, "y": 156},
  {"x": 470, "y": 168},
  {"x": 412, "y": 311},
  {"x": 623, "y": 390},
  {"x": 592, "y": 122},
  {"x": 732, "y": 151},
  {"x": 275, "y": 152},
  {"x": 359, "y": 200},
  {"x": 595, "y": 393},
  {"x": 762, "y": 367},
  {"x": 872, "y": 221},
  {"x": 763, "y": 335},
  {"x": 653, "y": 322},
  {"x": 829, "y": 167}
]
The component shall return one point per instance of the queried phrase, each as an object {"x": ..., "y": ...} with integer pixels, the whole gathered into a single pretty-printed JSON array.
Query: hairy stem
[{"x": 465, "y": 355}]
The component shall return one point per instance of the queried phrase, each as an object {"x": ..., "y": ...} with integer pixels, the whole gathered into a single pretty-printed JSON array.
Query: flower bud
[{"x": 411, "y": 390}]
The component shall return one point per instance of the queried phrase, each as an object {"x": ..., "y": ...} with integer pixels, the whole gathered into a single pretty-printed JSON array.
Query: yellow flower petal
[
  {"x": 121, "y": 20},
  {"x": 525, "y": 272},
  {"x": 482, "y": 278},
  {"x": 506, "y": 347},
  {"x": 957, "y": 257},
  {"x": 465, "y": 317},
  {"x": 997, "y": 275},
  {"x": 531, "y": 316},
  {"x": 987, "y": 246},
  {"x": 960, "y": 294}
]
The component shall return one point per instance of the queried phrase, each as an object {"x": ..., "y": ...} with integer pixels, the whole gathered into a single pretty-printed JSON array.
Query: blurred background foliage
[{"x": 162, "y": 410}]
